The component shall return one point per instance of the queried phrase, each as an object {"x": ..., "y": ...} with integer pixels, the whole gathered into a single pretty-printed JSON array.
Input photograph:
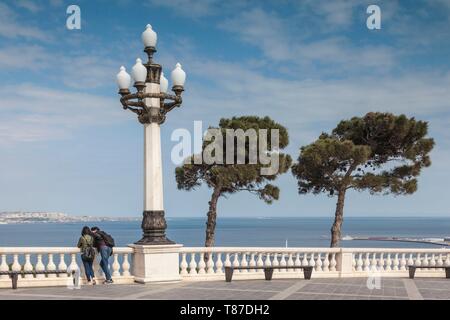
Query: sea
[{"x": 245, "y": 232}]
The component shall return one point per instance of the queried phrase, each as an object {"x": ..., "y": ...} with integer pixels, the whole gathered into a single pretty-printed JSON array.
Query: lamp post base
[
  {"x": 156, "y": 263},
  {"x": 154, "y": 229}
]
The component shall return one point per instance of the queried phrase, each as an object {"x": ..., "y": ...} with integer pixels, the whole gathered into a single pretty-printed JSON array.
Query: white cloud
[
  {"x": 324, "y": 55},
  {"x": 88, "y": 71},
  {"x": 31, "y": 6},
  {"x": 333, "y": 14},
  {"x": 196, "y": 9},
  {"x": 30, "y": 57},
  {"x": 12, "y": 27},
  {"x": 78, "y": 70},
  {"x": 34, "y": 113},
  {"x": 308, "y": 107},
  {"x": 191, "y": 8}
]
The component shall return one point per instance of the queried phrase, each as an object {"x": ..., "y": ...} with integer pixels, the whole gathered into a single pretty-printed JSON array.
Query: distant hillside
[{"x": 53, "y": 217}]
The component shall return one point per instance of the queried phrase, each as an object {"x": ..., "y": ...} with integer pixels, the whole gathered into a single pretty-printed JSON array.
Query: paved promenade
[{"x": 335, "y": 289}]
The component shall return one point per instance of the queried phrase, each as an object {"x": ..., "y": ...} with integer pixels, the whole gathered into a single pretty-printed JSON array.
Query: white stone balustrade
[
  {"x": 193, "y": 266},
  {"x": 61, "y": 259},
  {"x": 326, "y": 262},
  {"x": 395, "y": 262}
]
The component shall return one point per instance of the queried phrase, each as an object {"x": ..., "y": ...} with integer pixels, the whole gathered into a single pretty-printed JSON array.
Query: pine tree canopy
[
  {"x": 380, "y": 152},
  {"x": 230, "y": 178}
]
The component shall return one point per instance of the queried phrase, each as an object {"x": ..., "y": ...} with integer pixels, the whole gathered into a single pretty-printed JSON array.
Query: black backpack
[
  {"x": 109, "y": 241},
  {"x": 88, "y": 253}
]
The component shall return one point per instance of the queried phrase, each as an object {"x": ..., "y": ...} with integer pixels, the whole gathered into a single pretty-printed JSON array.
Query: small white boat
[{"x": 347, "y": 238}]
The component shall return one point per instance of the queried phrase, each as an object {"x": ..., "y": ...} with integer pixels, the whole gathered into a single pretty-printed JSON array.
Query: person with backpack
[
  {"x": 104, "y": 244},
  {"x": 86, "y": 245}
]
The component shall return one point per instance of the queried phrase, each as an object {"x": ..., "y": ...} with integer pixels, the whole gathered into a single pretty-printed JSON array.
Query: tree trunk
[
  {"x": 212, "y": 216},
  {"x": 338, "y": 219}
]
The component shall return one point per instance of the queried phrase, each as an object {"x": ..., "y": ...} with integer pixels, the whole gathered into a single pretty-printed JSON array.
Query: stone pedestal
[
  {"x": 344, "y": 262},
  {"x": 156, "y": 263}
]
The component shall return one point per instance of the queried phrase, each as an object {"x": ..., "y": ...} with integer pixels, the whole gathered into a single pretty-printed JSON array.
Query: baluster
[
  {"x": 73, "y": 264},
  {"x": 125, "y": 266},
  {"x": 283, "y": 262},
  {"x": 410, "y": 260},
  {"x": 51, "y": 266},
  {"x": 16, "y": 265},
  {"x": 326, "y": 262},
  {"x": 440, "y": 262},
  {"x": 28, "y": 266},
  {"x": 403, "y": 262},
  {"x": 267, "y": 262},
  {"x": 219, "y": 263},
  {"x": 62, "y": 266},
  {"x": 4, "y": 267},
  {"x": 210, "y": 263},
  {"x": 359, "y": 263},
  {"x": 183, "y": 264},
  {"x": 290, "y": 262},
  {"x": 193, "y": 264},
  {"x": 319, "y": 263},
  {"x": 236, "y": 261},
  {"x": 311, "y": 261},
  {"x": 244, "y": 262},
  {"x": 367, "y": 262},
  {"x": 374, "y": 262},
  {"x": 252, "y": 262},
  {"x": 227, "y": 260},
  {"x": 260, "y": 262},
  {"x": 275, "y": 262},
  {"x": 433, "y": 261},
  {"x": 39, "y": 266},
  {"x": 447, "y": 260},
  {"x": 304, "y": 260},
  {"x": 425, "y": 261},
  {"x": 388, "y": 263},
  {"x": 116, "y": 265},
  {"x": 396, "y": 262},
  {"x": 333, "y": 262},
  {"x": 418, "y": 260},
  {"x": 201, "y": 263},
  {"x": 297, "y": 262}
]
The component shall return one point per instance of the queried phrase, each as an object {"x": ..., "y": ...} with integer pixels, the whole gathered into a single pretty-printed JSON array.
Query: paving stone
[{"x": 314, "y": 289}]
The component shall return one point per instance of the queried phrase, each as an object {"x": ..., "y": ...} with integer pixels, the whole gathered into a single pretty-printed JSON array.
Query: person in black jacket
[{"x": 105, "y": 253}]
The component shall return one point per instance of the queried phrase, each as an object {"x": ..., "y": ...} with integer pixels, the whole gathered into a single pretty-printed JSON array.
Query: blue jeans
[
  {"x": 88, "y": 269},
  {"x": 105, "y": 253}
]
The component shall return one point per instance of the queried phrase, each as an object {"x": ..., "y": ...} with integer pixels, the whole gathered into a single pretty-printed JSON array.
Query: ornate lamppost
[{"x": 151, "y": 103}]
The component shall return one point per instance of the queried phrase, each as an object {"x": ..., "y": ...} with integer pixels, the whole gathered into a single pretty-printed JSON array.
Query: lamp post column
[
  {"x": 153, "y": 221},
  {"x": 155, "y": 258}
]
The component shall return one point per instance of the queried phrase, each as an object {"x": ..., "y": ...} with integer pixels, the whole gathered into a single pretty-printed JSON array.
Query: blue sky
[{"x": 66, "y": 144}]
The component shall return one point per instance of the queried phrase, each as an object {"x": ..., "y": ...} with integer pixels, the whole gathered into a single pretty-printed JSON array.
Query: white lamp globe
[
  {"x": 178, "y": 76},
  {"x": 149, "y": 37},
  {"x": 123, "y": 78},
  {"x": 139, "y": 71},
  {"x": 163, "y": 83}
]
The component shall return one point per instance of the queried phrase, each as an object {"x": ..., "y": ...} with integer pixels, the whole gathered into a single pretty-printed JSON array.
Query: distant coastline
[{"x": 20, "y": 217}]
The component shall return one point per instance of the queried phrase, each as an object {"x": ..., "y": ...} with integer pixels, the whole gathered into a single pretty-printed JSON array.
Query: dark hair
[
  {"x": 85, "y": 231},
  {"x": 95, "y": 229}
]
